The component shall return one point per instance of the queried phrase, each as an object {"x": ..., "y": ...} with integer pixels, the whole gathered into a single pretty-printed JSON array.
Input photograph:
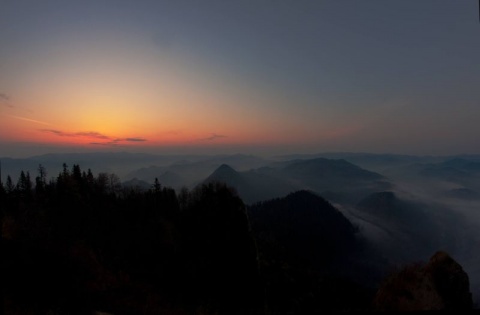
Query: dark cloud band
[{"x": 95, "y": 135}]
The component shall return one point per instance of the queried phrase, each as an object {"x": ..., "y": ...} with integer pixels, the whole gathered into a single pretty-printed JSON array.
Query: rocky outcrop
[{"x": 441, "y": 284}]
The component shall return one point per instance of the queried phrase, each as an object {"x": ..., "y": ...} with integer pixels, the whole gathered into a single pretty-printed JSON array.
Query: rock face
[
  {"x": 441, "y": 284},
  {"x": 450, "y": 281}
]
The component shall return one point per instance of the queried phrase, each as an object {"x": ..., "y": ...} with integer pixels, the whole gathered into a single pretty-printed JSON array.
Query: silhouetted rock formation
[{"x": 441, "y": 284}]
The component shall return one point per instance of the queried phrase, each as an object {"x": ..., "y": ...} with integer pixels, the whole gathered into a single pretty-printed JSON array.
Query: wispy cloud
[
  {"x": 28, "y": 119},
  {"x": 118, "y": 141},
  {"x": 87, "y": 134},
  {"x": 134, "y": 139},
  {"x": 213, "y": 137},
  {"x": 57, "y": 132},
  {"x": 5, "y": 100},
  {"x": 92, "y": 134},
  {"x": 109, "y": 141}
]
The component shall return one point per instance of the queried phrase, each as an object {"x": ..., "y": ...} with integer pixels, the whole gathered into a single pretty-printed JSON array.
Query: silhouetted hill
[
  {"x": 371, "y": 161},
  {"x": 463, "y": 164},
  {"x": 386, "y": 205},
  {"x": 338, "y": 180},
  {"x": 344, "y": 181},
  {"x": 242, "y": 162},
  {"x": 136, "y": 183},
  {"x": 305, "y": 246},
  {"x": 171, "y": 179},
  {"x": 304, "y": 224},
  {"x": 445, "y": 172},
  {"x": 461, "y": 171},
  {"x": 78, "y": 241},
  {"x": 225, "y": 173},
  {"x": 193, "y": 170},
  {"x": 147, "y": 173},
  {"x": 329, "y": 168},
  {"x": 252, "y": 186}
]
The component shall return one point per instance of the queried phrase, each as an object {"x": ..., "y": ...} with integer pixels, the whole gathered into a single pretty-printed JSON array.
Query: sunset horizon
[{"x": 376, "y": 77}]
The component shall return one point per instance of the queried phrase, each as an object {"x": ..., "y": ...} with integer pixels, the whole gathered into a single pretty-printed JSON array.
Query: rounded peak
[
  {"x": 440, "y": 256},
  {"x": 442, "y": 259}
]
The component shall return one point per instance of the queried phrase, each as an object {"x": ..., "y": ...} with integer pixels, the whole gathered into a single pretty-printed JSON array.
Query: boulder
[{"x": 441, "y": 284}]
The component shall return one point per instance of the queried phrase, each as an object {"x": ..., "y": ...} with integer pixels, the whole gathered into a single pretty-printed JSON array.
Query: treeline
[
  {"x": 74, "y": 180},
  {"x": 79, "y": 243}
]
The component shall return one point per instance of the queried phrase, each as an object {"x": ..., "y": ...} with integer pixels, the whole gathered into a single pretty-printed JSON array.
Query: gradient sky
[{"x": 260, "y": 77}]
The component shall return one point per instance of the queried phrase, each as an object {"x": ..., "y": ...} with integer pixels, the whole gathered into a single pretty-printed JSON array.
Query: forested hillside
[{"x": 83, "y": 243}]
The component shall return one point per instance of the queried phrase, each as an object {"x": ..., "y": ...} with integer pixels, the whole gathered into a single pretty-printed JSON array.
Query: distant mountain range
[
  {"x": 404, "y": 206},
  {"x": 336, "y": 179}
]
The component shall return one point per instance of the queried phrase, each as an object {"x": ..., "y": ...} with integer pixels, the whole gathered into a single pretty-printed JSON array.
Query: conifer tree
[
  {"x": 9, "y": 185},
  {"x": 41, "y": 179},
  {"x": 156, "y": 186}
]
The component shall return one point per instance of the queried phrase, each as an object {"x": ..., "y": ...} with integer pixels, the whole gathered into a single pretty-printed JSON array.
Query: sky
[{"x": 260, "y": 77}]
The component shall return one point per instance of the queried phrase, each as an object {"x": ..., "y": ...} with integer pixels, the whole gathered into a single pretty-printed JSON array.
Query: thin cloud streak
[
  {"x": 213, "y": 137},
  {"x": 118, "y": 141},
  {"x": 134, "y": 139},
  {"x": 110, "y": 141},
  {"x": 29, "y": 120},
  {"x": 90, "y": 134}
]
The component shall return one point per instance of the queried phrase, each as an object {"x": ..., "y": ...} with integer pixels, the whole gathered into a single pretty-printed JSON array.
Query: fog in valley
[{"x": 404, "y": 207}]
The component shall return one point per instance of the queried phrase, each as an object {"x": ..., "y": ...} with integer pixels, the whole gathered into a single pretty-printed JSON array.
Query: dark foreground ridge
[
  {"x": 441, "y": 284},
  {"x": 83, "y": 244}
]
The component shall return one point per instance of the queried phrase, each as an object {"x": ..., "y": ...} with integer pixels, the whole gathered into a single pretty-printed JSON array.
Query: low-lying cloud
[
  {"x": 109, "y": 141},
  {"x": 92, "y": 134},
  {"x": 134, "y": 139},
  {"x": 89, "y": 134},
  {"x": 213, "y": 137}
]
